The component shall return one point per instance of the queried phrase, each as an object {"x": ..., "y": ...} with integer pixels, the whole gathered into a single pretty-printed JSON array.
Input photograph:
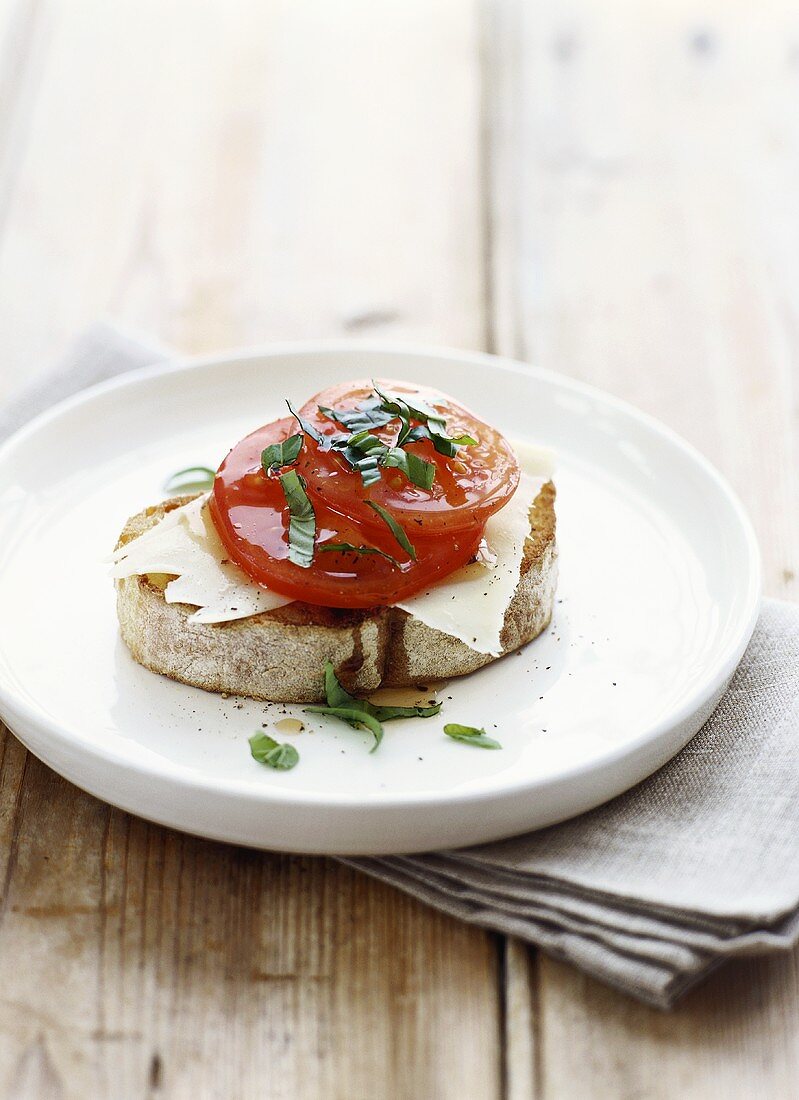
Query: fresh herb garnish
[
  {"x": 417, "y": 471},
  {"x": 354, "y": 718},
  {"x": 302, "y": 519},
  {"x": 366, "y": 453},
  {"x": 360, "y": 712},
  {"x": 267, "y": 751},
  {"x": 192, "y": 479},
  {"x": 399, "y": 409},
  {"x": 470, "y": 735},
  {"x": 366, "y": 415},
  {"x": 277, "y": 455},
  {"x": 444, "y": 444},
  {"x": 397, "y": 531},
  {"x": 363, "y": 451},
  {"x": 350, "y": 548},
  {"x": 434, "y": 424},
  {"x": 309, "y": 429}
]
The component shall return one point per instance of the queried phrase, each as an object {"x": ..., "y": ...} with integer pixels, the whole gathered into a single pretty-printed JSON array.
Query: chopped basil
[
  {"x": 309, "y": 429},
  {"x": 277, "y": 455},
  {"x": 387, "y": 714},
  {"x": 360, "y": 712},
  {"x": 354, "y": 718},
  {"x": 417, "y": 471},
  {"x": 363, "y": 451},
  {"x": 417, "y": 408},
  {"x": 267, "y": 751},
  {"x": 367, "y": 415},
  {"x": 470, "y": 735},
  {"x": 397, "y": 531},
  {"x": 349, "y": 548},
  {"x": 366, "y": 453},
  {"x": 408, "y": 407},
  {"x": 302, "y": 519},
  {"x": 399, "y": 409},
  {"x": 419, "y": 432},
  {"x": 445, "y": 444},
  {"x": 190, "y": 480}
]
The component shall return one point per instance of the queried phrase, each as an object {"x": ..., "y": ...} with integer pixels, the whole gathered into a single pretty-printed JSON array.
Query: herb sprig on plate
[
  {"x": 266, "y": 750},
  {"x": 191, "y": 480},
  {"x": 471, "y": 735},
  {"x": 360, "y": 713}
]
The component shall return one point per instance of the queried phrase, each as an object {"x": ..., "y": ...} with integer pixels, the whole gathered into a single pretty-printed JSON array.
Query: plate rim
[{"x": 722, "y": 669}]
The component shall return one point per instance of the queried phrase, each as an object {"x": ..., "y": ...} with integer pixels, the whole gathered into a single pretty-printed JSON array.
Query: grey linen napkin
[{"x": 655, "y": 889}]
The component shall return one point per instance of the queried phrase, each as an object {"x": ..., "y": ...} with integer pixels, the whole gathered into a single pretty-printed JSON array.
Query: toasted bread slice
[{"x": 279, "y": 655}]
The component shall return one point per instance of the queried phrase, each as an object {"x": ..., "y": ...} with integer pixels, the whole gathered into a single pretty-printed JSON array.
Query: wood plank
[
  {"x": 221, "y": 174},
  {"x": 643, "y": 173},
  {"x": 276, "y": 171},
  {"x": 151, "y": 956},
  {"x": 737, "y": 1032}
]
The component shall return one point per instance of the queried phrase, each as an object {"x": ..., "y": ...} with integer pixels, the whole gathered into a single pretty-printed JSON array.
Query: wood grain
[
  {"x": 219, "y": 174},
  {"x": 606, "y": 190},
  {"x": 230, "y": 173},
  {"x": 644, "y": 227}
]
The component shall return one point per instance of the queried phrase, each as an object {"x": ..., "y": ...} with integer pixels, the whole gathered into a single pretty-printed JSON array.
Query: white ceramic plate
[{"x": 659, "y": 591}]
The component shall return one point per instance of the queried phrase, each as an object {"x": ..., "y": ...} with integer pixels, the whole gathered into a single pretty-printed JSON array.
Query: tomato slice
[
  {"x": 250, "y": 513},
  {"x": 468, "y": 487}
]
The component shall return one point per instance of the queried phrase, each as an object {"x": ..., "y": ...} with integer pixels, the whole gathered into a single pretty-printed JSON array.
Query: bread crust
[{"x": 279, "y": 655}]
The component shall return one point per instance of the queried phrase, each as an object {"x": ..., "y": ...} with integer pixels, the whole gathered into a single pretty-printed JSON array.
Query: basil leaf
[
  {"x": 398, "y": 533},
  {"x": 366, "y": 415},
  {"x": 353, "y": 718},
  {"x": 337, "y": 696},
  {"x": 360, "y": 712},
  {"x": 417, "y": 471},
  {"x": 409, "y": 406},
  {"x": 302, "y": 519},
  {"x": 192, "y": 479},
  {"x": 283, "y": 758},
  {"x": 363, "y": 451},
  {"x": 444, "y": 444},
  {"x": 281, "y": 454},
  {"x": 309, "y": 429},
  {"x": 470, "y": 735},
  {"x": 386, "y": 714},
  {"x": 399, "y": 409},
  {"x": 434, "y": 429},
  {"x": 267, "y": 751},
  {"x": 349, "y": 548}
]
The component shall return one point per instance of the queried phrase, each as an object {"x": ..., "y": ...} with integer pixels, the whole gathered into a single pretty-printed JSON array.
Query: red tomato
[
  {"x": 468, "y": 487},
  {"x": 250, "y": 513}
]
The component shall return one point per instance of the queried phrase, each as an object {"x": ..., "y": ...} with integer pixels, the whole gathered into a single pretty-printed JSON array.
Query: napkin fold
[{"x": 651, "y": 891}]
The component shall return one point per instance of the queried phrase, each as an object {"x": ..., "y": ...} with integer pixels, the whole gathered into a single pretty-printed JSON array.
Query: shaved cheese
[
  {"x": 470, "y": 604},
  {"x": 185, "y": 545},
  {"x": 535, "y": 460}
]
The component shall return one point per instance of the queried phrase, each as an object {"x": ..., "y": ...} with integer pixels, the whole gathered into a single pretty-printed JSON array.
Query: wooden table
[{"x": 610, "y": 190}]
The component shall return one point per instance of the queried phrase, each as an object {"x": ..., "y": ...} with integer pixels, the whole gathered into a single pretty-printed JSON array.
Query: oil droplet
[
  {"x": 289, "y": 725},
  {"x": 401, "y": 697}
]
